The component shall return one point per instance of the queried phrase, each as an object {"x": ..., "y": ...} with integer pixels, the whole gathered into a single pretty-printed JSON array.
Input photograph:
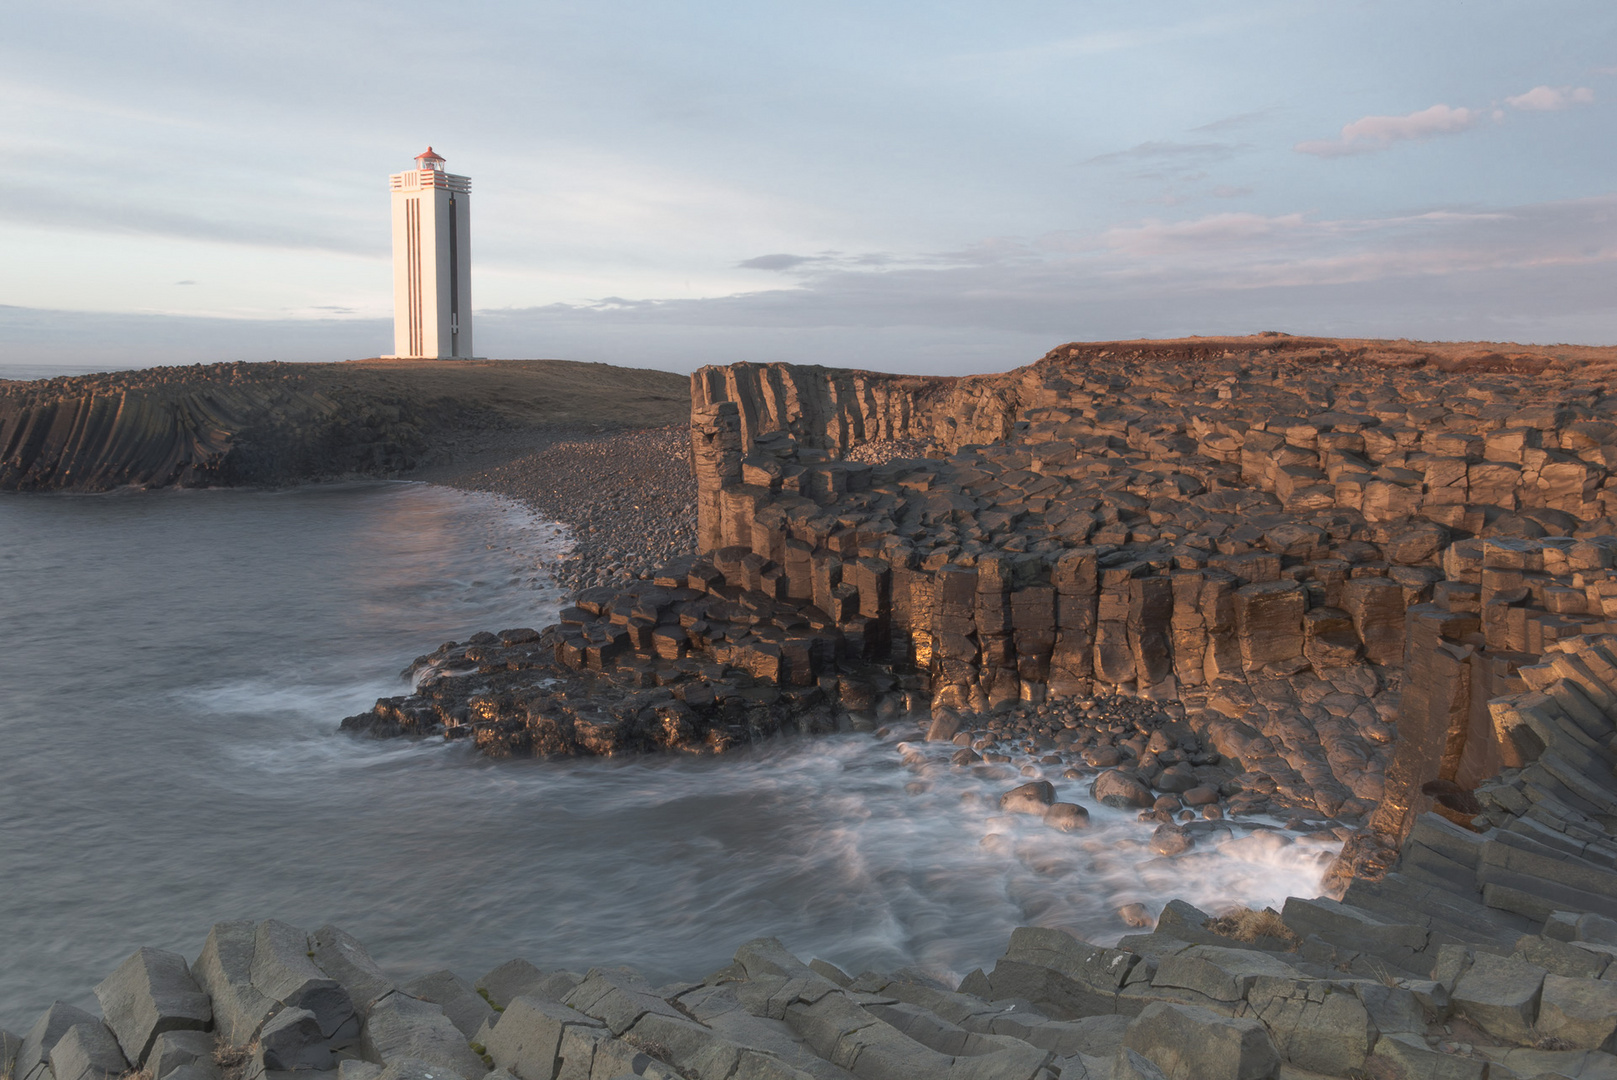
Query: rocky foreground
[{"x": 1318, "y": 989}]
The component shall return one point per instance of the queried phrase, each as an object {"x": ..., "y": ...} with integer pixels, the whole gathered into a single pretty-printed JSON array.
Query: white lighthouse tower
[{"x": 432, "y": 262}]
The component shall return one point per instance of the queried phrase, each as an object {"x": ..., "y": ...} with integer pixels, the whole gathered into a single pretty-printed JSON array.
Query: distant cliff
[
  {"x": 268, "y": 424},
  {"x": 840, "y": 409}
]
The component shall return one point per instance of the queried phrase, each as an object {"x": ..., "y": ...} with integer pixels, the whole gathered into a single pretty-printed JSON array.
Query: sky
[{"x": 927, "y": 187}]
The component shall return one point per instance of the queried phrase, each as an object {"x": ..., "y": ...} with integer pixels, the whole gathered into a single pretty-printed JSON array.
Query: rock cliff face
[
  {"x": 1277, "y": 533},
  {"x": 839, "y": 409},
  {"x": 218, "y": 425},
  {"x": 225, "y": 424}
]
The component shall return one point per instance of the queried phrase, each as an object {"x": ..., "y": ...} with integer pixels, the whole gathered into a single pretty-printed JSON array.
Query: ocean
[{"x": 173, "y": 669}]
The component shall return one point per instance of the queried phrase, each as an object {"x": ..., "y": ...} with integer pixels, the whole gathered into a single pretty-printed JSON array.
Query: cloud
[
  {"x": 1551, "y": 98},
  {"x": 325, "y": 228},
  {"x": 187, "y": 282},
  {"x": 1168, "y": 151},
  {"x": 776, "y": 262},
  {"x": 1218, "y": 230},
  {"x": 1239, "y": 120},
  {"x": 1537, "y": 272},
  {"x": 1227, "y": 191},
  {"x": 1379, "y": 132}
]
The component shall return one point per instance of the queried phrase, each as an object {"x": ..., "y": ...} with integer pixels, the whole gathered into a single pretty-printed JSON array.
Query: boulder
[
  {"x": 1596, "y": 929},
  {"x": 1500, "y": 995},
  {"x": 33, "y": 1056},
  {"x": 1176, "y": 780},
  {"x": 402, "y": 1027},
  {"x": 1171, "y": 839},
  {"x": 1118, "y": 789},
  {"x": 459, "y": 1000},
  {"x": 619, "y": 998},
  {"x": 527, "y": 1040},
  {"x": 292, "y": 1039},
  {"x": 509, "y": 981},
  {"x": 88, "y": 1052},
  {"x": 1188, "y": 1042},
  {"x": 1031, "y": 798},
  {"x": 224, "y": 972},
  {"x": 340, "y": 956},
  {"x": 1217, "y": 972},
  {"x": 1063, "y": 977},
  {"x": 1560, "y": 957},
  {"x": 283, "y": 971},
  {"x": 150, "y": 993},
  {"x": 1180, "y": 918},
  {"x": 1316, "y": 1026},
  {"x": 183, "y": 1055},
  {"x": 945, "y": 725},
  {"x": 585, "y": 1053},
  {"x": 842, "y": 1032},
  {"x": 1581, "y": 1013},
  {"x": 1405, "y": 1056},
  {"x": 1067, "y": 817}
]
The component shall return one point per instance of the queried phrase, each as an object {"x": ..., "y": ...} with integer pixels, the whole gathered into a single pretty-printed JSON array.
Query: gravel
[{"x": 627, "y": 497}]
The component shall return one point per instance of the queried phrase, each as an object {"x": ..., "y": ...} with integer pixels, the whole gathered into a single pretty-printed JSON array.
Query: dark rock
[
  {"x": 150, "y": 993},
  {"x": 1031, "y": 798},
  {"x": 1120, "y": 790}
]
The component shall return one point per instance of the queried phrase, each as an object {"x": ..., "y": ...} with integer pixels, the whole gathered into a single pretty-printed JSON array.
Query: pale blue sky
[{"x": 920, "y": 187}]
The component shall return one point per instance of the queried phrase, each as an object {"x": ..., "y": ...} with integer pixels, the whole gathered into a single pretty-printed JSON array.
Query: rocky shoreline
[
  {"x": 1369, "y": 593},
  {"x": 627, "y": 496},
  {"x": 1317, "y": 989},
  {"x": 1365, "y": 592}
]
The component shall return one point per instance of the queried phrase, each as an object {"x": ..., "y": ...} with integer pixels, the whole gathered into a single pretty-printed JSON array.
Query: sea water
[{"x": 173, "y": 668}]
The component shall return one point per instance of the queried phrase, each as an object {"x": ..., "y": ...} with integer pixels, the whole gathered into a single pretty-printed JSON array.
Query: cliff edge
[{"x": 276, "y": 423}]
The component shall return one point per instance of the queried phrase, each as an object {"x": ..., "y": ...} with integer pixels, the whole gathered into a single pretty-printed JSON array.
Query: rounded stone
[
  {"x": 1067, "y": 817},
  {"x": 1171, "y": 839},
  {"x": 1102, "y": 757},
  {"x": 1179, "y": 778},
  {"x": 1136, "y": 915},
  {"x": 1201, "y": 796},
  {"x": 1031, "y": 798},
  {"x": 1121, "y": 791}
]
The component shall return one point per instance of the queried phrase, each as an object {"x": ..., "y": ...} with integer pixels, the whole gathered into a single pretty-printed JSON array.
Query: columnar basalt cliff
[
  {"x": 268, "y": 424},
  {"x": 1313, "y": 565},
  {"x": 1277, "y": 533},
  {"x": 226, "y": 424}
]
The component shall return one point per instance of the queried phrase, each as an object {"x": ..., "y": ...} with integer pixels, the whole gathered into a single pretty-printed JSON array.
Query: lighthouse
[{"x": 432, "y": 262}]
